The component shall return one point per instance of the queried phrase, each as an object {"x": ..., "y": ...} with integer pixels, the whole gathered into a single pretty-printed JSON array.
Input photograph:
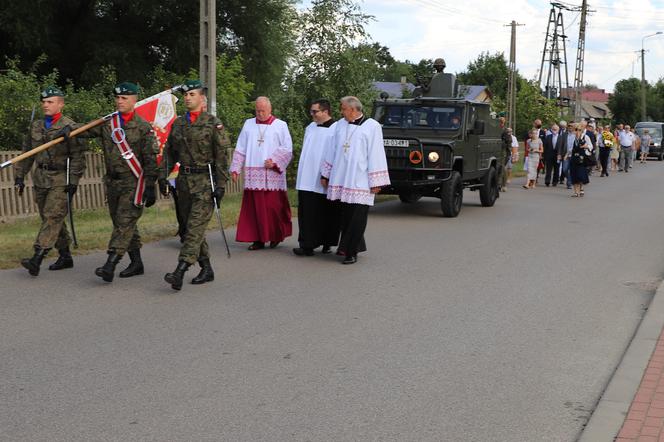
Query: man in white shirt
[
  {"x": 626, "y": 139},
  {"x": 353, "y": 172},
  {"x": 317, "y": 217}
]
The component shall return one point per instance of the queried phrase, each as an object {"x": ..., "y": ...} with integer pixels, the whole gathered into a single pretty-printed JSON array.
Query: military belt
[
  {"x": 120, "y": 175},
  {"x": 50, "y": 167},
  {"x": 186, "y": 170}
]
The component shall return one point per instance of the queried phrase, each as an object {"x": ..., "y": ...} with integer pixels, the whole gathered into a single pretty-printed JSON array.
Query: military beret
[
  {"x": 125, "y": 88},
  {"x": 51, "y": 91},
  {"x": 191, "y": 85}
]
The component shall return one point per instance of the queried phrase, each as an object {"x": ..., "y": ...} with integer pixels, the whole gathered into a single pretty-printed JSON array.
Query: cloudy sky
[{"x": 460, "y": 30}]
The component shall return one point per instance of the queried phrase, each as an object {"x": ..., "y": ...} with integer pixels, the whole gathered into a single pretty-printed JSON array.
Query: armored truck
[{"x": 437, "y": 144}]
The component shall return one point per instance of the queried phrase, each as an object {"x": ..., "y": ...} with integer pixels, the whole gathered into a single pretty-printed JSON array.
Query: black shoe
[
  {"x": 257, "y": 245},
  {"x": 107, "y": 271},
  {"x": 64, "y": 261},
  {"x": 175, "y": 278},
  {"x": 303, "y": 251},
  {"x": 350, "y": 260},
  {"x": 206, "y": 274},
  {"x": 33, "y": 264},
  {"x": 274, "y": 244},
  {"x": 547, "y": 184},
  {"x": 135, "y": 267},
  {"x": 326, "y": 250}
]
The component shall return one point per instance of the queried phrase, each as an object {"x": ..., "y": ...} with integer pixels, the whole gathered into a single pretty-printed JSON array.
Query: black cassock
[
  {"x": 318, "y": 219},
  {"x": 353, "y": 224}
]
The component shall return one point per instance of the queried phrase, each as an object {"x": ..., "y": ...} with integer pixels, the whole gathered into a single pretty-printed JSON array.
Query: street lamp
[{"x": 643, "y": 75}]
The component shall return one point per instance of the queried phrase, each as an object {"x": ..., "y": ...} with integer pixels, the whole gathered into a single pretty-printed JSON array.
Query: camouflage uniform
[
  {"x": 195, "y": 146},
  {"x": 120, "y": 182},
  {"x": 50, "y": 180}
]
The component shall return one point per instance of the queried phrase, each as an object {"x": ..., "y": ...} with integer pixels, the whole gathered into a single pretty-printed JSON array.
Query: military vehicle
[{"x": 437, "y": 144}]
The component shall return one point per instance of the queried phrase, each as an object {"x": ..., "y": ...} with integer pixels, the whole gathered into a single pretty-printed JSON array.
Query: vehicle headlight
[{"x": 433, "y": 157}]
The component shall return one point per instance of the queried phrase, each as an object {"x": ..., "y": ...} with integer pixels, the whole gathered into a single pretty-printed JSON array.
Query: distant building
[
  {"x": 395, "y": 89},
  {"x": 480, "y": 94},
  {"x": 594, "y": 103}
]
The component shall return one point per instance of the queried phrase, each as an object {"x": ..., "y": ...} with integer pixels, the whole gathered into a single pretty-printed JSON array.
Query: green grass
[{"x": 93, "y": 227}]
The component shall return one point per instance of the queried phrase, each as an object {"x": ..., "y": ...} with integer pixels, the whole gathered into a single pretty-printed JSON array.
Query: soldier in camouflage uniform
[
  {"x": 196, "y": 140},
  {"x": 121, "y": 184},
  {"x": 50, "y": 180}
]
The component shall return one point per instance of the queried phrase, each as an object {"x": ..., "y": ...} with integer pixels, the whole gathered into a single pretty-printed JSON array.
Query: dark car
[{"x": 655, "y": 130}]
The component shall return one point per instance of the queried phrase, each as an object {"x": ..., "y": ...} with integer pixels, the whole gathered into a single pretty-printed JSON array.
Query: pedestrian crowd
[
  {"x": 570, "y": 153},
  {"x": 341, "y": 168}
]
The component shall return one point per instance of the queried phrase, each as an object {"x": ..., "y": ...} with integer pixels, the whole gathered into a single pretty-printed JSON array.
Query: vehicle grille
[{"x": 397, "y": 158}]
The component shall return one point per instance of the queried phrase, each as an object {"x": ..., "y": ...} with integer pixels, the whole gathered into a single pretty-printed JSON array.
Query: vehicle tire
[
  {"x": 409, "y": 198},
  {"x": 660, "y": 157},
  {"x": 451, "y": 195},
  {"x": 489, "y": 190}
]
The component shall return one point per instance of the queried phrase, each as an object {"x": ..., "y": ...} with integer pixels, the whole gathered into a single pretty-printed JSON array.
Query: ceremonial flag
[{"x": 160, "y": 113}]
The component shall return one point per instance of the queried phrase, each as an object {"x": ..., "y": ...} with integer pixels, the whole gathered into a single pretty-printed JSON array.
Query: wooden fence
[{"x": 91, "y": 193}]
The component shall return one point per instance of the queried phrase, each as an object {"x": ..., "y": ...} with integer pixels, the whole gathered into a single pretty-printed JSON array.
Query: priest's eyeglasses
[{"x": 314, "y": 111}]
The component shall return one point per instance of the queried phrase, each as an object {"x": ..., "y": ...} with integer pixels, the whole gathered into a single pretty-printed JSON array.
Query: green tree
[
  {"x": 532, "y": 105},
  {"x": 488, "y": 70},
  {"x": 625, "y": 101}
]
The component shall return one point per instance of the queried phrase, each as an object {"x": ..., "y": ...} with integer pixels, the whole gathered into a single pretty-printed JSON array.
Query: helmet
[{"x": 439, "y": 63}]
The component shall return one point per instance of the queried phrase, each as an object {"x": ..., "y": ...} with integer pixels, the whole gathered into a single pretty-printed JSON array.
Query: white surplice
[
  {"x": 250, "y": 154},
  {"x": 356, "y": 163},
  {"x": 317, "y": 140}
]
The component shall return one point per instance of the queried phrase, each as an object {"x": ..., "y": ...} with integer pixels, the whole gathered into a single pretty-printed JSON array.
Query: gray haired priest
[{"x": 354, "y": 171}]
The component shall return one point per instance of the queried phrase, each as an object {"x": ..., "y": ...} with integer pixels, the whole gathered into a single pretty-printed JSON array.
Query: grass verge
[{"x": 93, "y": 227}]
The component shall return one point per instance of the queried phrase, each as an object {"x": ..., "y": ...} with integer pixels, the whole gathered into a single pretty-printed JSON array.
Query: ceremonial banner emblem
[{"x": 160, "y": 113}]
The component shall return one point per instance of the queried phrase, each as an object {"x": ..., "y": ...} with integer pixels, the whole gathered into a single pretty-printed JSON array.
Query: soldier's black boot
[
  {"x": 175, "y": 278},
  {"x": 107, "y": 271},
  {"x": 33, "y": 264},
  {"x": 135, "y": 267},
  {"x": 206, "y": 274},
  {"x": 64, "y": 261}
]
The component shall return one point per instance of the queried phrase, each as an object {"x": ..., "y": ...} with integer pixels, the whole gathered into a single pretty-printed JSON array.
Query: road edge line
[{"x": 613, "y": 405}]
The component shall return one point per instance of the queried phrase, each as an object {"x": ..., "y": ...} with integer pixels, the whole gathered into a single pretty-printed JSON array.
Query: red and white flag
[{"x": 160, "y": 113}]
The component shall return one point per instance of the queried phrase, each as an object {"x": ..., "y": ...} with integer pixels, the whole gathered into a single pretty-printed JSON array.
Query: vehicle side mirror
[{"x": 478, "y": 127}]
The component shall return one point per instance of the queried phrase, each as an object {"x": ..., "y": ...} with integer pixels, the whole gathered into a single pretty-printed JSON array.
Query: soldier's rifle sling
[
  {"x": 80, "y": 130},
  {"x": 216, "y": 210}
]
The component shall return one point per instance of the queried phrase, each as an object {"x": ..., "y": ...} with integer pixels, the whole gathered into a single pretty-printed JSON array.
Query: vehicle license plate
[{"x": 395, "y": 143}]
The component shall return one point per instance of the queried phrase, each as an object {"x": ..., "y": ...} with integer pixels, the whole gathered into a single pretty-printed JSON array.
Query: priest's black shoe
[
  {"x": 175, "y": 278},
  {"x": 326, "y": 250},
  {"x": 303, "y": 251},
  {"x": 350, "y": 260},
  {"x": 64, "y": 261},
  {"x": 107, "y": 271},
  {"x": 256, "y": 245},
  {"x": 206, "y": 274},
  {"x": 135, "y": 267},
  {"x": 33, "y": 264}
]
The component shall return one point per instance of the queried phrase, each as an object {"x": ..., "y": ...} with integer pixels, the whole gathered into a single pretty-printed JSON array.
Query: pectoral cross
[
  {"x": 260, "y": 142},
  {"x": 346, "y": 147}
]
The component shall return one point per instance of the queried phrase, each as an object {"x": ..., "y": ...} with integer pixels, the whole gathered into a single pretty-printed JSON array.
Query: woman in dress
[
  {"x": 535, "y": 148},
  {"x": 645, "y": 145},
  {"x": 582, "y": 159}
]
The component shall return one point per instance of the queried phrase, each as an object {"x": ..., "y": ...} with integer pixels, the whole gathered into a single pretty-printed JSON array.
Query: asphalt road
[{"x": 504, "y": 324}]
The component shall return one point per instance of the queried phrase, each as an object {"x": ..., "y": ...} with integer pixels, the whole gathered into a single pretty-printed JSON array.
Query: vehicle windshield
[
  {"x": 654, "y": 131},
  {"x": 433, "y": 117}
]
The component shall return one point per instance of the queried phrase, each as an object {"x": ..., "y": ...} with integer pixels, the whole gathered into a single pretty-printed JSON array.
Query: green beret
[
  {"x": 191, "y": 85},
  {"x": 125, "y": 88},
  {"x": 51, "y": 91}
]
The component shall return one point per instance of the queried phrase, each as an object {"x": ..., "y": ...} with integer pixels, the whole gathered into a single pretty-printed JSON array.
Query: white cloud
[{"x": 460, "y": 31}]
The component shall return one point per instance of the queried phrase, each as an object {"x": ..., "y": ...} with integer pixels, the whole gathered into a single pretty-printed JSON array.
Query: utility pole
[
  {"x": 580, "y": 53},
  {"x": 554, "y": 88},
  {"x": 643, "y": 75},
  {"x": 511, "y": 80},
  {"x": 208, "y": 51}
]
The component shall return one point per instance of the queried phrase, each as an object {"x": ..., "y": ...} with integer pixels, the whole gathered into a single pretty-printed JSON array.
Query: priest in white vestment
[
  {"x": 317, "y": 217},
  {"x": 263, "y": 151},
  {"x": 354, "y": 171}
]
